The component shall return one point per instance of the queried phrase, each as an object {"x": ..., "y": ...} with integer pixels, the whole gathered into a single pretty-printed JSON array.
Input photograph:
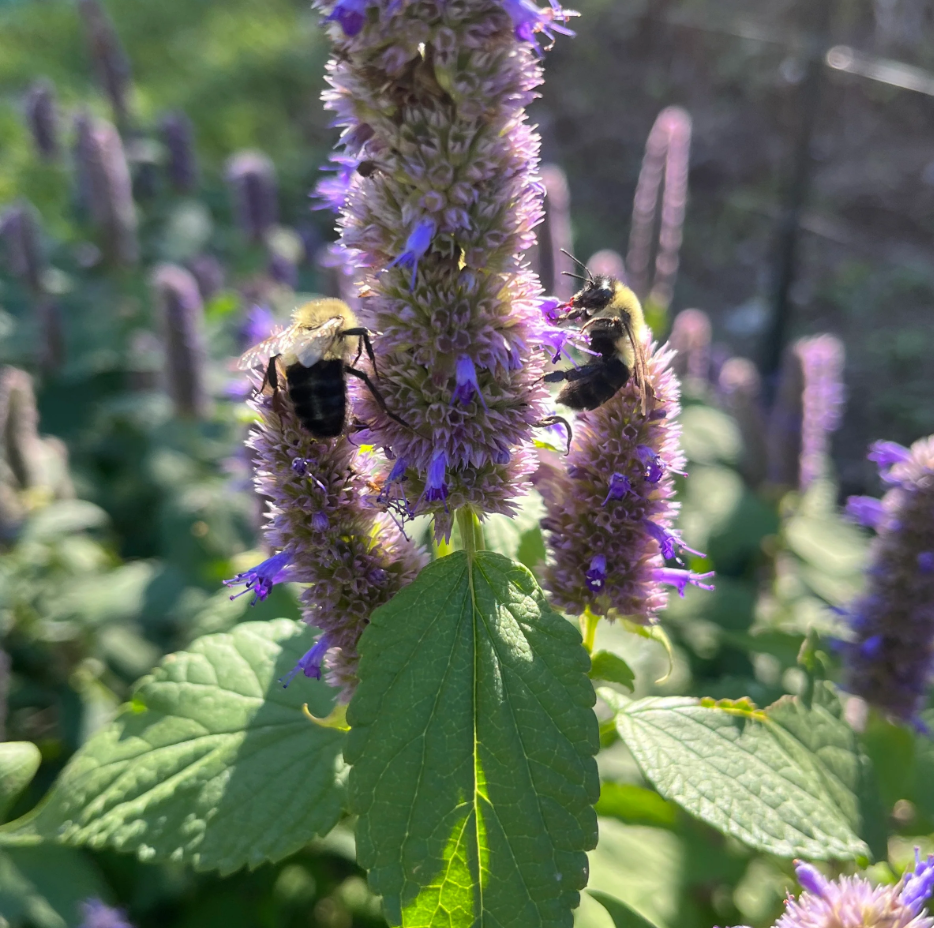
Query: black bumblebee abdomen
[
  {"x": 593, "y": 384},
  {"x": 319, "y": 395}
]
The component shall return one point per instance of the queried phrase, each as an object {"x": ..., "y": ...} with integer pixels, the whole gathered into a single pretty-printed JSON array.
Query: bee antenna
[
  {"x": 579, "y": 263},
  {"x": 586, "y": 280}
]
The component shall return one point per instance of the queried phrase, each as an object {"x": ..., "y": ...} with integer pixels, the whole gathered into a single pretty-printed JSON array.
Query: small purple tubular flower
[
  {"x": 178, "y": 136},
  {"x": 654, "y": 467},
  {"x": 682, "y": 579},
  {"x": 251, "y": 177},
  {"x": 852, "y": 902},
  {"x": 261, "y": 579},
  {"x": 436, "y": 489},
  {"x": 918, "y": 884},
  {"x": 331, "y": 191},
  {"x": 310, "y": 662},
  {"x": 669, "y": 542},
  {"x": 181, "y": 313},
  {"x": 887, "y": 454},
  {"x": 97, "y": 914},
  {"x": 616, "y": 495},
  {"x": 865, "y": 510},
  {"x": 620, "y": 485},
  {"x": 415, "y": 247},
  {"x": 42, "y": 119},
  {"x": 528, "y": 19},
  {"x": 351, "y": 14},
  {"x": 299, "y": 466},
  {"x": 596, "y": 574},
  {"x": 466, "y": 384},
  {"x": 320, "y": 522},
  {"x": 889, "y": 658}
]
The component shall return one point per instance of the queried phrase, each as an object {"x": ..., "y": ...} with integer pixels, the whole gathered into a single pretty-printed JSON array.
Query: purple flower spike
[
  {"x": 865, "y": 510},
  {"x": 310, "y": 662},
  {"x": 351, "y": 14},
  {"x": 260, "y": 579},
  {"x": 616, "y": 495},
  {"x": 435, "y": 487},
  {"x": 654, "y": 467},
  {"x": 415, "y": 247},
  {"x": 596, "y": 574},
  {"x": 681, "y": 579},
  {"x": 466, "y": 382},
  {"x": 888, "y": 657},
  {"x": 619, "y": 487}
]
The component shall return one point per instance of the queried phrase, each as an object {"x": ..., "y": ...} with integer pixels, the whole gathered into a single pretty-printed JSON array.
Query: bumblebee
[
  {"x": 313, "y": 352},
  {"x": 611, "y": 317}
]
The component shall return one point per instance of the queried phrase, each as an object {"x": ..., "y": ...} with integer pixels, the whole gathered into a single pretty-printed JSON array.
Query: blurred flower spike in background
[{"x": 890, "y": 656}]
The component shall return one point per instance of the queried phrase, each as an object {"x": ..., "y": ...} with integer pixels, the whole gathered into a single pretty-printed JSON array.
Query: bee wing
[
  {"x": 266, "y": 349},
  {"x": 640, "y": 371},
  {"x": 311, "y": 344}
]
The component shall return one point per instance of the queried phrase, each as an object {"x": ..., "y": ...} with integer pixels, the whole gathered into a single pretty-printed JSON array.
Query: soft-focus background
[{"x": 137, "y": 261}]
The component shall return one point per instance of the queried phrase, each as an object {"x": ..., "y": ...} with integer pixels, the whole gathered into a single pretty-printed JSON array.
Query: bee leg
[
  {"x": 556, "y": 420},
  {"x": 364, "y": 335},
  {"x": 555, "y": 377},
  {"x": 376, "y": 394},
  {"x": 271, "y": 376}
]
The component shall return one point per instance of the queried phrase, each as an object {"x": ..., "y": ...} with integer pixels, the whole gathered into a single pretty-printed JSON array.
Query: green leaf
[
  {"x": 43, "y": 886},
  {"x": 788, "y": 780},
  {"x": 472, "y": 742},
  {"x": 610, "y": 667},
  {"x": 19, "y": 761},
  {"x": 212, "y": 762},
  {"x": 635, "y": 805},
  {"x": 623, "y": 916}
]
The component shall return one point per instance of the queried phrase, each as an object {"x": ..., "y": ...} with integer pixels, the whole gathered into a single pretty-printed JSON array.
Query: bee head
[{"x": 597, "y": 294}]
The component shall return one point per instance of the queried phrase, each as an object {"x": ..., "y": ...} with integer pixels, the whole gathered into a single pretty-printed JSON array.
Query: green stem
[
  {"x": 588, "y": 622},
  {"x": 471, "y": 532}
]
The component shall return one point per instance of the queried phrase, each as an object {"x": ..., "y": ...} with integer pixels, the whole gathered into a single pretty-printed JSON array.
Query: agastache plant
[
  {"x": 433, "y": 95},
  {"x": 890, "y": 658},
  {"x": 611, "y": 511},
  {"x": 326, "y": 533}
]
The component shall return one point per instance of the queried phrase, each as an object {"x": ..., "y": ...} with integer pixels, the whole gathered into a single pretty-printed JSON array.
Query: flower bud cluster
[
  {"x": 611, "y": 512},
  {"x": 890, "y": 659},
  {"x": 439, "y": 200}
]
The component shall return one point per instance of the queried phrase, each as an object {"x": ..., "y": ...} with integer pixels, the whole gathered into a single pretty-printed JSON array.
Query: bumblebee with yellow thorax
[
  {"x": 615, "y": 326},
  {"x": 314, "y": 353}
]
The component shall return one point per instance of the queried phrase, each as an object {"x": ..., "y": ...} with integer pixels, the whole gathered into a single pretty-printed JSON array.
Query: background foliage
[{"x": 96, "y": 585}]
